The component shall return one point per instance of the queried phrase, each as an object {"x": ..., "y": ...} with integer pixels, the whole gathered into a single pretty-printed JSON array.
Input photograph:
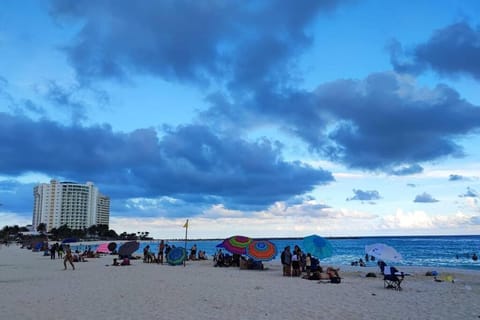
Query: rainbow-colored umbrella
[
  {"x": 261, "y": 250},
  {"x": 236, "y": 244},
  {"x": 176, "y": 256}
]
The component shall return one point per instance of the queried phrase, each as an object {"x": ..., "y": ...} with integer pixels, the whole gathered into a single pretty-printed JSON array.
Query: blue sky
[{"x": 261, "y": 118}]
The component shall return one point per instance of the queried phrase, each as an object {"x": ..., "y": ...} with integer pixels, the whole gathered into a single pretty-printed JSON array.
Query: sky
[{"x": 260, "y": 118}]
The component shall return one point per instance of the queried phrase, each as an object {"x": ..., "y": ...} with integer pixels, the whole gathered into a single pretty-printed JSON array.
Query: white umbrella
[{"x": 383, "y": 252}]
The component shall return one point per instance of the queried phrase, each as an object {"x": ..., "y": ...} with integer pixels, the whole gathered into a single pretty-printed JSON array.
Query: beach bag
[{"x": 335, "y": 280}]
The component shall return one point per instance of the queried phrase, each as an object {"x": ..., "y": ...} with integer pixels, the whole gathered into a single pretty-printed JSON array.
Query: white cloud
[{"x": 14, "y": 219}]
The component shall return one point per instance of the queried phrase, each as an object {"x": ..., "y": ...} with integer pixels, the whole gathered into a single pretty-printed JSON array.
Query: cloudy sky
[{"x": 262, "y": 118}]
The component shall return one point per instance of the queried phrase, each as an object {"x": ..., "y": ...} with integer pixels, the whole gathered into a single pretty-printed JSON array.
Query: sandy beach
[{"x": 35, "y": 287}]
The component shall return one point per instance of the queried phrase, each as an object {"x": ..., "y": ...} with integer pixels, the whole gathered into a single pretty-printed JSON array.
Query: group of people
[
  {"x": 297, "y": 262},
  {"x": 201, "y": 255},
  {"x": 164, "y": 250},
  {"x": 294, "y": 263},
  {"x": 221, "y": 259}
]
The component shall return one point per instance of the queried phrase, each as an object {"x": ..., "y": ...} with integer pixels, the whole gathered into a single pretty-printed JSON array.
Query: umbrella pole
[{"x": 186, "y": 252}]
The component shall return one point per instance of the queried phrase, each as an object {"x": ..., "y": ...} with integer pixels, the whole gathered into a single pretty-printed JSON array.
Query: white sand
[{"x": 35, "y": 287}]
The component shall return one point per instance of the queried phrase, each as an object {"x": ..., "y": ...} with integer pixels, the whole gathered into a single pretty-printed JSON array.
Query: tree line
[{"x": 94, "y": 232}]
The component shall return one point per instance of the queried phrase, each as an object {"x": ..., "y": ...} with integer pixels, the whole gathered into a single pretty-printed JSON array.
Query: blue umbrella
[
  {"x": 176, "y": 256},
  {"x": 317, "y": 246}
]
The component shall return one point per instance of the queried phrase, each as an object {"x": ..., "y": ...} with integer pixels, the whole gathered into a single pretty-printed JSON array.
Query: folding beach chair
[{"x": 392, "y": 278}]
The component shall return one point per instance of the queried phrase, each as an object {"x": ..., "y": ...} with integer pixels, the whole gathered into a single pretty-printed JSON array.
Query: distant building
[{"x": 76, "y": 205}]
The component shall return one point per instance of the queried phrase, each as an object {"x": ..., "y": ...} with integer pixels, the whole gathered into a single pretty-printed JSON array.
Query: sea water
[{"x": 427, "y": 251}]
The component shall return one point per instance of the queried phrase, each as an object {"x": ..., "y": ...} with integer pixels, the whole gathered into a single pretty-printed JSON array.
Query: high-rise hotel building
[{"x": 76, "y": 205}]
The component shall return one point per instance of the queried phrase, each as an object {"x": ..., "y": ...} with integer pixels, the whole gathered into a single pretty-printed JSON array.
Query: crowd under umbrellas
[{"x": 239, "y": 251}]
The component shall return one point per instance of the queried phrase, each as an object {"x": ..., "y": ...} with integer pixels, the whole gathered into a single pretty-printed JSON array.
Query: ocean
[{"x": 427, "y": 251}]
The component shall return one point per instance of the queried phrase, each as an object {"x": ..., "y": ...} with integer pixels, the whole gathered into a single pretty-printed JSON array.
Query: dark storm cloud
[
  {"x": 365, "y": 195},
  {"x": 236, "y": 42},
  {"x": 452, "y": 50},
  {"x": 187, "y": 162},
  {"x": 385, "y": 122},
  {"x": 16, "y": 197},
  {"x": 425, "y": 198}
]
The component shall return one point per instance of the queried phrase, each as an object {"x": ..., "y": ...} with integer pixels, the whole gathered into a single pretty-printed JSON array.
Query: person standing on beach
[
  {"x": 161, "y": 247},
  {"x": 68, "y": 257},
  {"x": 60, "y": 251},
  {"x": 53, "y": 250},
  {"x": 286, "y": 258}
]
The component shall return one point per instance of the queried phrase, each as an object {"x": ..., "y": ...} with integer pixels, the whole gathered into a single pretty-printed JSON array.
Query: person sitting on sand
[
  {"x": 308, "y": 264},
  {"x": 202, "y": 255},
  {"x": 331, "y": 274},
  {"x": 220, "y": 259},
  {"x": 125, "y": 262},
  {"x": 361, "y": 263},
  {"x": 115, "y": 262}
]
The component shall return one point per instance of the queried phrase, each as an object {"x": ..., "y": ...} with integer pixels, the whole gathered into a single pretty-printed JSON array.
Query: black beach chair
[{"x": 392, "y": 278}]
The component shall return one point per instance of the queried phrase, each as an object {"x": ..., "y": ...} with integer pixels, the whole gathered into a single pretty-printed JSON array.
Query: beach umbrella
[
  {"x": 128, "y": 248},
  {"x": 112, "y": 246},
  {"x": 103, "y": 248},
  {"x": 176, "y": 256},
  {"x": 317, "y": 246},
  {"x": 261, "y": 250},
  {"x": 236, "y": 244},
  {"x": 383, "y": 252}
]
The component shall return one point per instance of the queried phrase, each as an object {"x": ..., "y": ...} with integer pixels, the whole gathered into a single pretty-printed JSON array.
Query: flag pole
[{"x": 186, "y": 232}]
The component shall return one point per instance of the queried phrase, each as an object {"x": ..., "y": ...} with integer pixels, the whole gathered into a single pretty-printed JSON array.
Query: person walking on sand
[{"x": 68, "y": 257}]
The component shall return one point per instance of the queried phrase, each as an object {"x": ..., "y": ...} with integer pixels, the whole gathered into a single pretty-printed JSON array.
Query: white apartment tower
[{"x": 76, "y": 205}]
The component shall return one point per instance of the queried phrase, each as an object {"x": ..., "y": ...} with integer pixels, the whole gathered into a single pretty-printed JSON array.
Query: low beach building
[{"x": 76, "y": 205}]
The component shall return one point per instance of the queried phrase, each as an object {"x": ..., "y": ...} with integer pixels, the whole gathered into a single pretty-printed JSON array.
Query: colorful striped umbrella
[
  {"x": 103, "y": 248},
  {"x": 261, "y": 250},
  {"x": 236, "y": 244},
  {"x": 317, "y": 246},
  {"x": 176, "y": 256}
]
